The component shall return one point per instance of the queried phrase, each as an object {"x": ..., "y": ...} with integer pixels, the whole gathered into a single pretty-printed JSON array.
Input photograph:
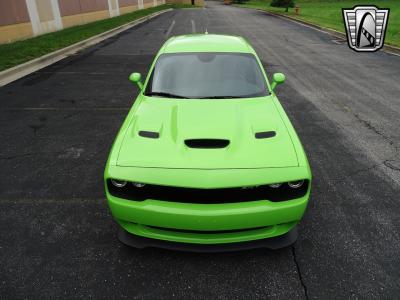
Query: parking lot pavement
[{"x": 58, "y": 124}]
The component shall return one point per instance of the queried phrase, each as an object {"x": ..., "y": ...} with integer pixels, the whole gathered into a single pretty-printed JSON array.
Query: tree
[{"x": 283, "y": 3}]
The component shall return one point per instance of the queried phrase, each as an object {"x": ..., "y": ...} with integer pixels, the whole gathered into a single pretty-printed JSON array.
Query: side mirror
[
  {"x": 277, "y": 78},
  {"x": 136, "y": 78}
]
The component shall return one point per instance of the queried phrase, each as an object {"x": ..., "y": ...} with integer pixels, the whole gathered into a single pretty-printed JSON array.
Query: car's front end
[
  {"x": 174, "y": 175},
  {"x": 208, "y": 206}
]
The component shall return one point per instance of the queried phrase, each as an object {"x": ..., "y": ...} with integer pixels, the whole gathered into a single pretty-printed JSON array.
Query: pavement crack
[
  {"x": 392, "y": 164},
  {"x": 16, "y": 156},
  {"x": 371, "y": 127},
  {"x": 357, "y": 172},
  {"x": 299, "y": 272},
  {"x": 36, "y": 128}
]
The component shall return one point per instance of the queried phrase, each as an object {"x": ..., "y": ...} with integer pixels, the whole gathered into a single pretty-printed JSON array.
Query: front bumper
[
  {"x": 207, "y": 223},
  {"x": 210, "y": 224},
  {"x": 273, "y": 243}
]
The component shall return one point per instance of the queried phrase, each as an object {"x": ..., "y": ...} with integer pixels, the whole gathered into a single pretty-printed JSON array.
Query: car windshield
[{"x": 207, "y": 76}]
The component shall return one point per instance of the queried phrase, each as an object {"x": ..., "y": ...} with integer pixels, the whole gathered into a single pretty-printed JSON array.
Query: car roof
[{"x": 206, "y": 43}]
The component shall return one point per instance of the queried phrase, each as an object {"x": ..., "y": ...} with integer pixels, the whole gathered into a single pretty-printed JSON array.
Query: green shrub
[
  {"x": 283, "y": 3},
  {"x": 239, "y": 1}
]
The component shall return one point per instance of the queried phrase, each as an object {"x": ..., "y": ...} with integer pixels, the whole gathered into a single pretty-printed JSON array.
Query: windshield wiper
[
  {"x": 233, "y": 96},
  {"x": 221, "y": 97},
  {"x": 166, "y": 95}
]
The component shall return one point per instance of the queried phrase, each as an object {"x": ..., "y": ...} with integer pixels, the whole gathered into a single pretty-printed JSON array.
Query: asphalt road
[{"x": 57, "y": 237}]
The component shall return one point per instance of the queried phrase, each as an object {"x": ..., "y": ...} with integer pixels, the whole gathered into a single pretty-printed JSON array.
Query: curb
[
  {"x": 9, "y": 75},
  {"x": 387, "y": 48}
]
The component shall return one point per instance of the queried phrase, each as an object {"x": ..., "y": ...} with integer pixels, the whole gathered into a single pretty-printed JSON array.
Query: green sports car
[{"x": 207, "y": 159}]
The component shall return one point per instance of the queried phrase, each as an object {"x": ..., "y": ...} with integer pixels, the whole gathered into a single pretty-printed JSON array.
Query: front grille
[{"x": 207, "y": 196}]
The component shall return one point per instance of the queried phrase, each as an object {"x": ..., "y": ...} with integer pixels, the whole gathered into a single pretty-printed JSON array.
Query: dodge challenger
[{"x": 207, "y": 159}]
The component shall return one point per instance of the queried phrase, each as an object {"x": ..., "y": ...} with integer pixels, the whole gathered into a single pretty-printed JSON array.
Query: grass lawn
[
  {"x": 328, "y": 13},
  {"x": 22, "y": 51}
]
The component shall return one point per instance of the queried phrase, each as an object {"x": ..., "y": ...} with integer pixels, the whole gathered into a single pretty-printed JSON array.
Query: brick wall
[{"x": 20, "y": 19}]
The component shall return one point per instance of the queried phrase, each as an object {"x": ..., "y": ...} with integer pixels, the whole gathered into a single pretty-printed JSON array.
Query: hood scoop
[
  {"x": 207, "y": 143},
  {"x": 265, "y": 134},
  {"x": 149, "y": 134}
]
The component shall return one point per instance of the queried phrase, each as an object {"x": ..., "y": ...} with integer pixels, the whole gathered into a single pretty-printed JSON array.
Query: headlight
[
  {"x": 138, "y": 184},
  {"x": 296, "y": 184},
  {"x": 118, "y": 183},
  {"x": 275, "y": 185}
]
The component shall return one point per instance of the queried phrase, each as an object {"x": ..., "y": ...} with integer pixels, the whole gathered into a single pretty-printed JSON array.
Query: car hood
[{"x": 207, "y": 134}]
